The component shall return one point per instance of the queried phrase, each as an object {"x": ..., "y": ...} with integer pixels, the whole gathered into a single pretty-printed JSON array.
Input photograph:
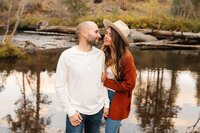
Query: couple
[{"x": 85, "y": 90}]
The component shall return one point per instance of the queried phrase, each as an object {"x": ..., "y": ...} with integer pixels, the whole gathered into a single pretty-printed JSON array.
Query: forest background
[{"x": 173, "y": 15}]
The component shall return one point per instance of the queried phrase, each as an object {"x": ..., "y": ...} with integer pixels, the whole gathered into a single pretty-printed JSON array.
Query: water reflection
[
  {"x": 27, "y": 115},
  {"x": 155, "y": 104},
  {"x": 198, "y": 89},
  {"x": 160, "y": 104},
  {"x": 3, "y": 76}
]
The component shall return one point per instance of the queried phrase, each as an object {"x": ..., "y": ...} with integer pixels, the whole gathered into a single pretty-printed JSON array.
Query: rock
[
  {"x": 41, "y": 24},
  {"x": 29, "y": 44},
  {"x": 73, "y": 39},
  {"x": 30, "y": 47},
  {"x": 136, "y": 36}
]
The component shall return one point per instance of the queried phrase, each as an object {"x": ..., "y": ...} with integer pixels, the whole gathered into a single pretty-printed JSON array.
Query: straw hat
[{"x": 120, "y": 27}]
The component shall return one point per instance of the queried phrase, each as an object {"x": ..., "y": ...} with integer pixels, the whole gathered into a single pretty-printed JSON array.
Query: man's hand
[
  {"x": 103, "y": 76},
  {"x": 75, "y": 119},
  {"x": 105, "y": 112}
]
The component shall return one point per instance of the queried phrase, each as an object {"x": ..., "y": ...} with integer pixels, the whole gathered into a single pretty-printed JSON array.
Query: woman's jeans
[
  {"x": 112, "y": 125},
  {"x": 91, "y": 123}
]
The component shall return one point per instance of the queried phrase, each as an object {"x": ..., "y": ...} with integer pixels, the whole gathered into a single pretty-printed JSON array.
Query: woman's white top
[{"x": 110, "y": 75}]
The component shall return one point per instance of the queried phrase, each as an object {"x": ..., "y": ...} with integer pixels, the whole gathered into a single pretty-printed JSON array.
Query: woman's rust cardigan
[{"x": 121, "y": 102}]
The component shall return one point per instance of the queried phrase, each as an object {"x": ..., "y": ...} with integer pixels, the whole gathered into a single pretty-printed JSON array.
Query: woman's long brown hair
[{"x": 113, "y": 58}]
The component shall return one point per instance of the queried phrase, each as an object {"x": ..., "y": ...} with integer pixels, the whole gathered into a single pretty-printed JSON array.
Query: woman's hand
[
  {"x": 103, "y": 76},
  {"x": 105, "y": 112}
]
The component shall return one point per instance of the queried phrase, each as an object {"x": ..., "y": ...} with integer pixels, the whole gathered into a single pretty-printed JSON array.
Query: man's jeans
[
  {"x": 112, "y": 125},
  {"x": 91, "y": 123}
]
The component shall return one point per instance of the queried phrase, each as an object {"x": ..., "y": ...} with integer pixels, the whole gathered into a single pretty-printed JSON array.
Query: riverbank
[
  {"x": 42, "y": 41},
  {"x": 33, "y": 42}
]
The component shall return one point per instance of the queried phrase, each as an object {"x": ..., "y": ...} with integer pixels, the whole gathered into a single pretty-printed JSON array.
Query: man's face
[{"x": 93, "y": 35}]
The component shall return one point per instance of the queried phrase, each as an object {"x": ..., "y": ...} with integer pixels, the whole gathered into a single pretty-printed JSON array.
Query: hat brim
[{"x": 108, "y": 24}]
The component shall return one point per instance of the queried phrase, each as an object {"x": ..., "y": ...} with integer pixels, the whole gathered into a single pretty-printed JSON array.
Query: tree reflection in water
[
  {"x": 27, "y": 114},
  {"x": 155, "y": 104},
  {"x": 198, "y": 88},
  {"x": 3, "y": 76},
  {"x": 194, "y": 128}
]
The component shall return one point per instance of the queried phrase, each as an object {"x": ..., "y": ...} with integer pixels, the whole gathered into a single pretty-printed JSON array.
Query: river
[{"x": 166, "y": 97}]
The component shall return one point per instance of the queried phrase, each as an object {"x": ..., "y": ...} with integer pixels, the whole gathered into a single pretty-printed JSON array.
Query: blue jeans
[
  {"x": 91, "y": 124},
  {"x": 112, "y": 125}
]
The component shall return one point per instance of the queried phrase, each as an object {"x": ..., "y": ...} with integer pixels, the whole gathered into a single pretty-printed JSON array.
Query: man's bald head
[{"x": 84, "y": 26}]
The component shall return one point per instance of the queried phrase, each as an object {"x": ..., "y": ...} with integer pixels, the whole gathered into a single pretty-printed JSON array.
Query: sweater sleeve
[
  {"x": 129, "y": 80},
  {"x": 60, "y": 85},
  {"x": 105, "y": 91}
]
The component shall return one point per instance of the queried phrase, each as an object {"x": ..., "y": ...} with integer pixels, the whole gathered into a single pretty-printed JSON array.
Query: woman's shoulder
[
  {"x": 127, "y": 61},
  {"x": 127, "y": 55}
]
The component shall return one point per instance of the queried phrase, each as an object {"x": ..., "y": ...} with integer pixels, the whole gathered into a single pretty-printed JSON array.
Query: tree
[
  {"x": 124, "y": 5},
  {"x": 19, "y": 13},
  {"x": 185, "y": 8},
  {"x": 8, "y": 21}
]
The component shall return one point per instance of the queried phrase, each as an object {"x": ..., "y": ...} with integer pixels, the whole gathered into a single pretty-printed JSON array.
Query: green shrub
[
  {"x": 28, "y": 22},
  {"x": 167, "y": 23},
  {"x": 8, "y": 50},
  {"x": 4, "y": 5},
  {"x": 34, "y": 6},
  {"x": 115, "y": 11},
  {"x": 57, "y": 21}
]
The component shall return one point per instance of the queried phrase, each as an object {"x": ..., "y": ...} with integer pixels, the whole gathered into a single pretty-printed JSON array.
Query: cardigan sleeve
[{"x": 129, "y": 72}]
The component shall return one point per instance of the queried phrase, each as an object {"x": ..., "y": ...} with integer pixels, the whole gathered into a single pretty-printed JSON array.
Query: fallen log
[
  {"x": 165, "y": 34},
  {"x": 64, "y": 29},
  {"x": 162, "y": 45},
  {"x": 60, "y": 29},
  {"x": 47, "y": 33},
  {"x": 72, "y": 37}
]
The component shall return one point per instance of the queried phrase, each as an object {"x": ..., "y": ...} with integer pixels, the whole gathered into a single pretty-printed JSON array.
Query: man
[{"x": 78, "y": 82}]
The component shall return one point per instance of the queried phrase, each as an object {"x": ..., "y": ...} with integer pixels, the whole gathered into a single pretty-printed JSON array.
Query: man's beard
[{"x": 92, "y": 42}]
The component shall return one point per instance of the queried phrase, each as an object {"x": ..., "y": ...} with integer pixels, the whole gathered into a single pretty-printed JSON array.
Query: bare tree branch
[
  {"x": 8, "y": 21},
  {"x": 124, "y": 5},
  {"x": 19, "y": 14}
]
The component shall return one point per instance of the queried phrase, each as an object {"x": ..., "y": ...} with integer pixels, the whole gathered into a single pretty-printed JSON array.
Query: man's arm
[{"x": 61, "y": 81}]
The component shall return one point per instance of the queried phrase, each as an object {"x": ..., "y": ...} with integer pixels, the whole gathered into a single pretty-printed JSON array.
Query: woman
[{"x": 120, "y": 75}]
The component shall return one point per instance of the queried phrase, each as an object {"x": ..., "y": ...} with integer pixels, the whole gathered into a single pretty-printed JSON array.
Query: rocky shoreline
[{"x": 40, "y": 40}]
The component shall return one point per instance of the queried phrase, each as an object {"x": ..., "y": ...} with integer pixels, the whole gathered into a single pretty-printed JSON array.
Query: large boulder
[{"x": 136, "y": 36}]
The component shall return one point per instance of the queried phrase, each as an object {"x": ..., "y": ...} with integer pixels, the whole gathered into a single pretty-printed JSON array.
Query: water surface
[{"x": 166, "y": 97}]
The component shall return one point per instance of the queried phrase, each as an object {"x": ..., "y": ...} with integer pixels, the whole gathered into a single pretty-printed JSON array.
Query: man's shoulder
[
  {"x": 98, "y": 51},
  {"x": 67, "y": 51}
]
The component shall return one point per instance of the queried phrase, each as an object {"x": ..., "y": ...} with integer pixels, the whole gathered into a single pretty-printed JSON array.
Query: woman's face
[{"x": 107, "y": 38}]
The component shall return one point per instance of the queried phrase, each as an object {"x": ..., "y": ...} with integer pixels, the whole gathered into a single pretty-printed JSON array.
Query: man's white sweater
[{"x": 78, "y": 81}]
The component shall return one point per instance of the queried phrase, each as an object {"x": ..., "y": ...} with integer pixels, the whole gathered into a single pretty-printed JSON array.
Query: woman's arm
[{"x": 129, "y": 72}]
